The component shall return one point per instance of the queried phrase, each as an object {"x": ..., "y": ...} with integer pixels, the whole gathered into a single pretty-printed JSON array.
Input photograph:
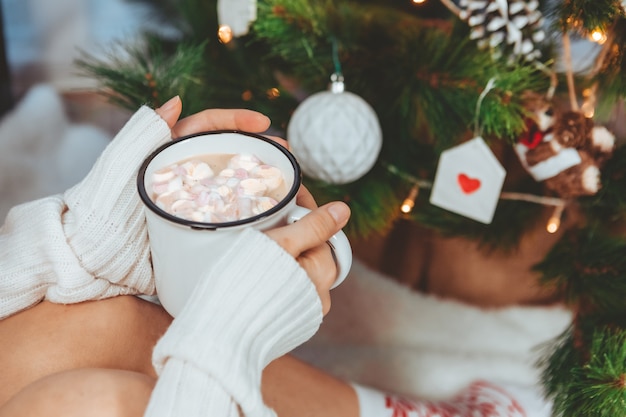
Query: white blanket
[
  {"x": 41, "y": 151},
  {"x": 384, "y": 335}
]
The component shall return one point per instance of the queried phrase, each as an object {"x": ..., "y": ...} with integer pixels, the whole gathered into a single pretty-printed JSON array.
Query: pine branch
[
  {"x": 585, "y": 16},
  {"x": 590, "y": 384},
  {"x": 589, "y": 268},
  {"x": 611, "y": 75},
  {"x": 368, "y": 214},
  {"x": 138, "y": 74},
  {"x": 428, "y": 76},
  {"x": 607, "y": 208}
]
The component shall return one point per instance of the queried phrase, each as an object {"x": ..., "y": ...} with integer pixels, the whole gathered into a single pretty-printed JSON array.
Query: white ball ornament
[{"x": 335, "y": 135}]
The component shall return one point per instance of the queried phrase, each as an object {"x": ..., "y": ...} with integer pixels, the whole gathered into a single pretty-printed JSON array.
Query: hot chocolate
[{"x": 218, "y": 188}]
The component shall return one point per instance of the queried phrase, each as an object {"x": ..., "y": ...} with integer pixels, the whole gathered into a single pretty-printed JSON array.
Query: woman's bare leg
[
  {"x": 292, "y": 388},
  {"x": 83, "y": 393},
  {"x": 295, "y": 389},
  {"x": 117, "y": 333}
]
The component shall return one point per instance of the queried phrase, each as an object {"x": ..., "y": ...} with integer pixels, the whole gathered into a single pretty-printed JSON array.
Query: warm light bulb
[
  {"x": 225, "y": 34},
  {"x": 553, "y": 225},
  {"x": 555, "y": 220},
  {"x": 409, "y": 202},
  {"x": 273, "y": 93},
  {"x": 588, "y": 109},
  {"x": 419, "y": 1},
  {"x": 246, "y": 95},
  {"x": 598, "y": 36},
  {"x": 407, "y": 206},
  {"x": 588, "y": 106}
]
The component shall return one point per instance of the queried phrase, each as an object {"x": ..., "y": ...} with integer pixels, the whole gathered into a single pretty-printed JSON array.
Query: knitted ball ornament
[{"x": 335, "y": 135}]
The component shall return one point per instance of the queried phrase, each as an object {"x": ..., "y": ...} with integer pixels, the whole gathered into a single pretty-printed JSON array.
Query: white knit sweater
[
  {"x": 89, "y": 243},
  {"x": 254, "y": 305},
  {"x": 257, "y": 304}
]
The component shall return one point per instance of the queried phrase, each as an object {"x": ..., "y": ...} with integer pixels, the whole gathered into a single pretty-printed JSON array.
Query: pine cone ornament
[
  {"x": 511, "y": 28},
  {"x": 573, "y": 129}
]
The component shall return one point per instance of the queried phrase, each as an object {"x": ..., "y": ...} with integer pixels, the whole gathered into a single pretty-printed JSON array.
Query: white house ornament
[
  {"x": 468, "y": 181},
  {"x": 335, "y": 135}
]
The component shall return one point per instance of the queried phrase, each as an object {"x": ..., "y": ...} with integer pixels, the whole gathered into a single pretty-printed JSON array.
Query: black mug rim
[{"x": 291, "y": 194}]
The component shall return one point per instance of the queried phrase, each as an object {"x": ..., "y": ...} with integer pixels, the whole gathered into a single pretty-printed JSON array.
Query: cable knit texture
[
  {"x": 90, "y": 243},
  {"x": 179, "y": 376},
  {"x": 254, "y": 305}
]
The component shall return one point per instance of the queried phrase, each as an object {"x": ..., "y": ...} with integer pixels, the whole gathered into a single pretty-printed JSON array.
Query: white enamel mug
[{"x": 183, "y": 250}]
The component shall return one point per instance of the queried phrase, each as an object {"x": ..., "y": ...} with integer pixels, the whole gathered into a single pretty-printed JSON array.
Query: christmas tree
[{"x": 422, "y": 95}]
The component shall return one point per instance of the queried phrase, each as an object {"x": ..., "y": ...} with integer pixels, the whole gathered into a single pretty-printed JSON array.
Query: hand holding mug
[
  {"x": 306, "y": 241},
  {"x": 182, "y": 248}
]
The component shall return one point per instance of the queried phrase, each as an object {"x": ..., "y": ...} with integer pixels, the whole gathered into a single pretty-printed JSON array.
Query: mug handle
[{"x": 339, "y": 244}]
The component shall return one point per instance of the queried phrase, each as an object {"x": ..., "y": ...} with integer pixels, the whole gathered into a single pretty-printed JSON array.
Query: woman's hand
[
  {"x": 306, "y": 239},
  {"x": 211, "y": 119}
]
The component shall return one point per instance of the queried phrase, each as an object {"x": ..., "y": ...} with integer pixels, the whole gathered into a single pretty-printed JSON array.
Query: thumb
[
  {"x": 313, "y": 229},
  {"x": 170, "y": 111}
]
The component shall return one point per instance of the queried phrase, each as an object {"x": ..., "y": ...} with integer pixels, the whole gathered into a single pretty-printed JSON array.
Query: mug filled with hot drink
[{"x": 200, "y": 191}]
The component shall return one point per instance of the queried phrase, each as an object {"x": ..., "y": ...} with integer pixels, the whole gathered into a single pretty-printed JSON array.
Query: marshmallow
[
  {"x": 192, "y": 191},
  {"x": 252, "y": 186},
  {"x": 270, "y": 175},
  {"x": 245, "y": 161},
  {"x": 163, "y": 175}
]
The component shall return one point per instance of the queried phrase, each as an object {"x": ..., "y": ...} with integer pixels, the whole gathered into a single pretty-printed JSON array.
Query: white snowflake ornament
[{"x": 335, "y": 135}]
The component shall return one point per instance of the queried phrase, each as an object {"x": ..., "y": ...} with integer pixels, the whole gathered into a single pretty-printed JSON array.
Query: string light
[
  {"x": 589, "y": 105},
  {"x": 598, "y": 36},
  {"x": 273, "y": 93},
  {"x": 409, "y": 202},
  {"x": 588, "y": 109},
  {"x": 246, "y": 95},
  {"x": 554, "y": 222},
  {"x": 225, "y": 34}
]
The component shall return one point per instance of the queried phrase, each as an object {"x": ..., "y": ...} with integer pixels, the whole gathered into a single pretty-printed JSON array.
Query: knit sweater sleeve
[
  {"x": 254, "y": 305},
  {"x": 89, "y": 243}
]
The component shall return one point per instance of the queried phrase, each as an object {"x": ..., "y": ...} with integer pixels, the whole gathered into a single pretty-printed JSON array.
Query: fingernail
[
  {"x": 339, "y": 211},
  {"x": 264, "y": 119},
  {"x": 169, "y": 104}
]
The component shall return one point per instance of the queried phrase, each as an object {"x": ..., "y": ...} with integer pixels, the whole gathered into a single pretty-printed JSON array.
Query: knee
[{"x": 84, "y": 393}]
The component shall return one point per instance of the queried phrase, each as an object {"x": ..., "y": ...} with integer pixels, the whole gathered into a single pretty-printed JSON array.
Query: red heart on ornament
[{"x": 468, "y": 185}]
